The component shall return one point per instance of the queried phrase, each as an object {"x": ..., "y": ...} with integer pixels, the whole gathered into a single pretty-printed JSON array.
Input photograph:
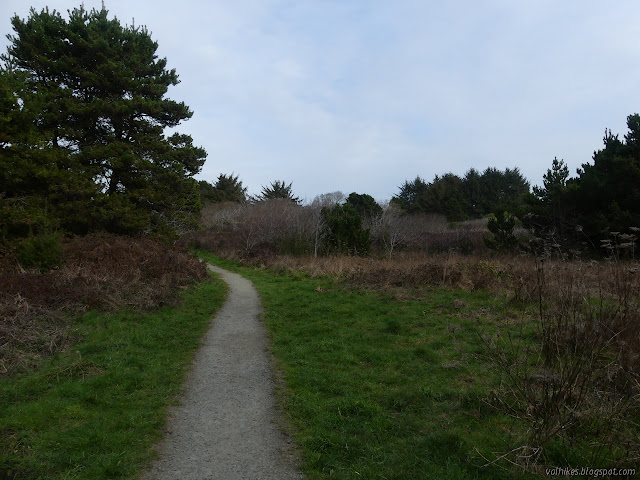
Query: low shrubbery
[
  {"x": 571, "y": 374},
  {"x": 42, "y": 251},
  {"x": 99, "y": 271},
  {"x": 283, "y": 227}
]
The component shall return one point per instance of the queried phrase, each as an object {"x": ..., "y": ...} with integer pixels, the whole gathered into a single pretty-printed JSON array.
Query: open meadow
[{"x": 452, "y": 366}]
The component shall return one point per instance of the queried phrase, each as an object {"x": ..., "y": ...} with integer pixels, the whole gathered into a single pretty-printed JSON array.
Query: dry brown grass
[
  {"x": 575, "y": 381},
  {"x": 100, "y": 271},
  {"x": 511, "y": 276}
]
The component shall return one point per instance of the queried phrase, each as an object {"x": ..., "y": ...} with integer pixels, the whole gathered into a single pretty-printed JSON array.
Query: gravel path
[{"x": 226, "y": 426}]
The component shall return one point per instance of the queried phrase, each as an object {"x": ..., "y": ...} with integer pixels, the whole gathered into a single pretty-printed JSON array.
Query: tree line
[
  {"x": 83, "y": 111},
  {"x": 597, "y": 209},
  {"x": 472, "y": 196}
]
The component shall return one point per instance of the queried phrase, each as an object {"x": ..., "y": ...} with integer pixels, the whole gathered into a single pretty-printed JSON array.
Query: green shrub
[
  {"x": 42, "y": 251},
  {"x": 501, "y": 237},
  {"x": 344, "y": 232},
  {"x": 295, "y": 245}
]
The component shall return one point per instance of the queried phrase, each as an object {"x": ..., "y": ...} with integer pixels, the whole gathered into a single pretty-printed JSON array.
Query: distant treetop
[
  {"x": 228, "y": 188},
  {"x": 277, "y": 189}
]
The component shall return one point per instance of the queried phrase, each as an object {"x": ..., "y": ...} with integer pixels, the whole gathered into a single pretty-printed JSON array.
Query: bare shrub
[
  {"x": 573, "y": 377},
  {"x": 389, "y": 231},
  {"x": 474, "y": 225},
  {"x": 395, "y": 231},
  {"x": 221, "y": 215},
  {"x": 258, "y": 229},
  {"x": 279, "y": 226},
  {"x": 274, "y": 223}
]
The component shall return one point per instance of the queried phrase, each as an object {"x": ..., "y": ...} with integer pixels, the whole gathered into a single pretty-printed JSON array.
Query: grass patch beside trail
[
  {"x": 381, "y": 388},
  {"x": 94, "y": 411}
]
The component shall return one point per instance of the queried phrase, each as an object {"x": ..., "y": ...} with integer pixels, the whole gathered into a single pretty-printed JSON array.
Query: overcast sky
[{"x": 361, "y": 95}]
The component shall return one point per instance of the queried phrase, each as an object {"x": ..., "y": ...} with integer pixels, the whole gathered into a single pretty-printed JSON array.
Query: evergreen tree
[
  {"x": 547, "y": 212},
  {"x": 603, "y": 198},
  {"x": 472, "y": 194},
  {"x": 365, "y": 205},
  {"x": 606, "y": 194},
  {"x": 445, "y": 196},
  {"x": 277, "y": 189},
  {"x": 500, "y": 237},
  {"x": 458, "y": 198},
  {"x": 554, "y": 183},
  {"x": 229, "y": 189},
  {"x": 95, "y": 91},
  {"x": 37, "y": 184},
  {"x": 207, "y": 192},
  {"x": 409, "y": 194},
  {"x": 501, "y": 190},
  {"x": 344, "y": 232}
]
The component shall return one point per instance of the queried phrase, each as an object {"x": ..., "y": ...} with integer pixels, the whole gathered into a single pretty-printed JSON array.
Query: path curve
[{"x": 226, "y": 426}]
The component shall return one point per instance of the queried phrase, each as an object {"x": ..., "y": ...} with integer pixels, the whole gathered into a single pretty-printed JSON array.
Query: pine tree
[
  {"x": 409, "y": 195},
  {"x": 228, "y": 188},
  {"x": 96, "y": 91},
  {"x": 607, "y": 192},
  {"x": 365, "y": 205},
  {"x": 500, "y": 237},
  {"x": 277, "y": 189},
  {"x": 548, "y": 213}
]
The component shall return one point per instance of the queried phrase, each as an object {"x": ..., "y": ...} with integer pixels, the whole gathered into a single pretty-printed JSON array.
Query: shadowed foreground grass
[
  {"x": 384, "y": 388},
  {"x": 94, "y": 411}
]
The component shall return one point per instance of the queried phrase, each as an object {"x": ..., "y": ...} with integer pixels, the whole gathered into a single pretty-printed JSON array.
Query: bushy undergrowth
[
  {"x": 99, "y": 271},
  {"x": 42, "y": 251},
  {"x": 572, "y": 376},
  {"x": 283, "y": 227}
]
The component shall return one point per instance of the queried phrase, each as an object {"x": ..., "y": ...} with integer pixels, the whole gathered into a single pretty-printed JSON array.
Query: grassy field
[
  {"x": 93, "y": 411},
  {"x": 381, "y": 387},
  {"x": 392, "y": 369}
]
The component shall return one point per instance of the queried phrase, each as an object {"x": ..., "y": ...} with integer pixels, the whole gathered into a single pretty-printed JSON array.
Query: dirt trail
[{"x": 225, "y": 427}]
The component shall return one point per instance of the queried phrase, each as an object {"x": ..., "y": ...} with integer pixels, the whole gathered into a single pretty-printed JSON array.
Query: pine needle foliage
[{"x": 90, "y": 97}]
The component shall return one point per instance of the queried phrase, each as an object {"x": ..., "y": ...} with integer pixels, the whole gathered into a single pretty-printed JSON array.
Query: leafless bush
[
  {"x": 221, "y": 215},
  {"x": 475, "y": 225},
  {"x": 260, "y": 228},
  {"x": 273, "y": 222},
  {"x": 573, "y": 377},
  {"x": 280, "y": 226},
  {"x": 395, "y": 231}
]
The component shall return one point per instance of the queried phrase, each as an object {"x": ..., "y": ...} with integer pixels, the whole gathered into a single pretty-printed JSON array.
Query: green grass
[
  {"x": 381, "y": 388},
  {"x": 95, "y": 411}
]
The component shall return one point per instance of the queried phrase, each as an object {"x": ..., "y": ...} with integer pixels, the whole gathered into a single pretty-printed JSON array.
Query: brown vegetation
[
  {"x": 283, "y": 227},
  {"x": 99, "y": 271},
  {"x": 574, "y": 381}
]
